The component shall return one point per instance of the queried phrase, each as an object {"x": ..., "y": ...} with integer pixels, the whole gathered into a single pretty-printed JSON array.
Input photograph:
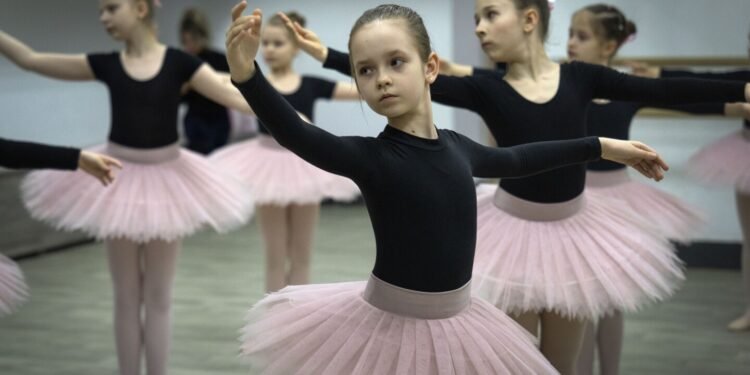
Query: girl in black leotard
[
  {"x": 546, "y": 253},
  {"x": 415, "y": 315},
  {"x": 163, "y": 194}
]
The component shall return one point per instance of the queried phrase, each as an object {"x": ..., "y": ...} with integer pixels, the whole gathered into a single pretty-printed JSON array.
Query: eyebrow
[
  {"x": 486, "y": 8},
  {"x": 390, "y": 53}
]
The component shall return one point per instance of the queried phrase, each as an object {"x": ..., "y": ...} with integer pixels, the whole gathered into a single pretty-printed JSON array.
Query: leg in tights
[
  {"x": 561, "y": 340},
  {"x": 586, "y": 357},
  {"x": 274, "y": 227},
  {"x": 529, "y": 321},
  {"x": 125, "y": 268},
  {"x": 743, "y": 209},
  {"x": 303, "y": 220},
  {"x": 160, "y": 260},
  {"x": 609, "y": 335}
]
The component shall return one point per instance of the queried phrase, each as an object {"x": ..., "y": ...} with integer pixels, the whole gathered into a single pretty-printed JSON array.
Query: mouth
[
  {"x": 571, "y": 54},
  {"x": 486, "y": 45},
  {"x": 386, "y": 97}
]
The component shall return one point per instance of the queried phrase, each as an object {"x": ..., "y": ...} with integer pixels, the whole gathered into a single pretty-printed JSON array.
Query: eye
[
  {"x": 397, "y": 62},
  {"x": 492, "y": 14},
  {"x": 278, "y": 44},
  {"x": 364, "y": 71}
]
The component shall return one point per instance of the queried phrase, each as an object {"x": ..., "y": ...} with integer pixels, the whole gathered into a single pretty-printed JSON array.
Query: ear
[
  {"x": 530, "y": 20},
  {"x": 432, "y": 68},
  {"x": 609, "y": 48},
  {"x": 141, "y": 9}
]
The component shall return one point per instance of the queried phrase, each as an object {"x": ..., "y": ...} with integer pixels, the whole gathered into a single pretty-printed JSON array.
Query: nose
[
  {"x": 384, "y": 81},
  {"x": 480, "y": 30}
]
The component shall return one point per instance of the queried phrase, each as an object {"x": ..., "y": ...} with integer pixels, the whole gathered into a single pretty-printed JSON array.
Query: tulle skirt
[
  {"x": 583, "y": 258},
  {"x": 277, "y": 176},
  {"x": 660, "y": 210},
  {"x": 13, "y": 290},
  {"x": 377, "y": 328},
  {"x": 724, "y": 162},
  {"x": 160, "y": 194}
]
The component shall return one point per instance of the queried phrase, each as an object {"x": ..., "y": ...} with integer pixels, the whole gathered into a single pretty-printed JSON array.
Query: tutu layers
[
  {"x": 13, "y": 290},
  {"x": 379, "y": 328},
  {"x": 165, "y": 193},
  {"x": 582, "y": 258},
  {"x": 277, "y": 176},
  {"x": 724, "y": 162},
  {"x": 669, "y": 215}
]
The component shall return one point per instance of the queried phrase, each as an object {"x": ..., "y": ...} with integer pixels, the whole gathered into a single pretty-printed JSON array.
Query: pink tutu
[
  {"x": 277, "y": 176},
  {"x": 672, "y": 217},
  {"x": 13, "y": 290},
  {"x": 377, "y": 328},
  {"x": 165, "y": 193},
  {"x": 583, "y": 258},
  {"x": 724, "y": 162}
]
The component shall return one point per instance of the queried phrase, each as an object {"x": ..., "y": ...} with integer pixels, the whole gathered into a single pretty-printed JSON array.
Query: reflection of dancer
[
  {"x": 596, "y": 34},
  {"x": 726, "y": 162},
  {"x": 287, "y": 189},
  {"x": 206, "y": 122},
  {"x": 606, "y": 258},
  {"x": 415, "y": 315},
  {"x": 162, "y": 194},
  {"x": 14, "y": 154}
]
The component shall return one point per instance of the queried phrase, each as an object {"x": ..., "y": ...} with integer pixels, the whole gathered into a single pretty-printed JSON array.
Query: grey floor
[{"x": 66, "y": 327}]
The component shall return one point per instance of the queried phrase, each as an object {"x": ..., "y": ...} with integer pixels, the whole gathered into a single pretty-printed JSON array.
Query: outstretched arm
[
  {"x": 217, "y": 87},
  {"x": 15, "y": 154},
  {"x": 537, "y": 157},
  {"x": 54, "y": 65},
  {"x": 340, "y": 155},
  {"x": 611, "y": 84}
]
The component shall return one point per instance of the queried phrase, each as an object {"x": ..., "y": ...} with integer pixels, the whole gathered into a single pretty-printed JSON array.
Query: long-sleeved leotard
[
  {"x": 16, "y": 154},
  {"x": 514, "y": 120},
  {"x": 419, "y": 192}
]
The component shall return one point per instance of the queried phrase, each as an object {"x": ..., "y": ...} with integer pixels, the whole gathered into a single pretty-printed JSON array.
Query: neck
[
  {"x": 282, "y": 70},
  {"x": 141, "y": 42},
  {"x": 532, "y": 62},
  {"x": 417, "y": 122}
]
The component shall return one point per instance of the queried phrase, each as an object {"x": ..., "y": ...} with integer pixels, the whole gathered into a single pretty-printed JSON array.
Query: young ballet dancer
[
  {"x": 206, "y": 123},
  {"x": 596, "y": 34},
  {"x": 16, "y": 155},
  {"x": 163, "y": 193},
  {"x": 724, "y": 162},
  {"x": 415, "y": 314},
  {"x": 546, "y": 253},
  {"x": 287, "y": 190}
]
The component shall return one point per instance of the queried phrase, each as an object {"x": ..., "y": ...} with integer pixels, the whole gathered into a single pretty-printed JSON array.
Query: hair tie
[
  {"x": 551, "y": 4},
  {"x": 631, "y": 38},
  {"x": 157, "y": 3}
]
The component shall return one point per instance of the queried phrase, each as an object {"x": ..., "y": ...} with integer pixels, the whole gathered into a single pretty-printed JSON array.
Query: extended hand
[
  {"x": 242, "y": 42},
  {"x": 307, "y": 40},
  {"x": 635, "y": 154},
  {"x": 98, "y": 165}
]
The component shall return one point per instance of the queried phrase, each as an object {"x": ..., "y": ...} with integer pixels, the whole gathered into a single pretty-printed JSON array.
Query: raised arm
[
  {"x": 537, "y": 157},
  {"x": 340, "y": 155},
  {"x": 218, "y": 87},
  {"x": 54, "y": 65},
  {"x": 611, "y": 84}
]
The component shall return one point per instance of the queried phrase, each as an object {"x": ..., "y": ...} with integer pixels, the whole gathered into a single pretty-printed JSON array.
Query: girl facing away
[
  {"x": 163, "y": 193},
  {"x": 415, "y": 314}
]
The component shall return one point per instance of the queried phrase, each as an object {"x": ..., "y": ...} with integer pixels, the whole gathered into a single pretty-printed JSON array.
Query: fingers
[
  {"x": 238, "y": 9},
  {"x": 111, "y": 162}
]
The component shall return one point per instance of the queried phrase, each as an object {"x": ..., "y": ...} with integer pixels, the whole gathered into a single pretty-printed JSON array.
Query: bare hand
[
  {"x": 242, "y": 42},
  {"x": 642, "y": 69},
  {"x": 634, "y": 154},
  {"x": 307, "y": 40},
  {"x": 98, "y": 165}
]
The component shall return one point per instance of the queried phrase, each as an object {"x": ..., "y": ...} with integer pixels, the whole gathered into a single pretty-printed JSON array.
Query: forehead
[
  {"x": 581, "y": 20},
  {"x": 480, "y": 5},
  {"x": 275, "y": 31},
  {"x": 380, "y": 37}
]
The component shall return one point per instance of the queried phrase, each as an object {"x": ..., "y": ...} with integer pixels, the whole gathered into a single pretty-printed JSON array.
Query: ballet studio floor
[{"x": 66, "y": 327}]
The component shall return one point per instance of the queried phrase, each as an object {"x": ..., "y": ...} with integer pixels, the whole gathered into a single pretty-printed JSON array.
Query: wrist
[
  {"x": 322, "y": 54},
  {"x": 243, "y": 77}
]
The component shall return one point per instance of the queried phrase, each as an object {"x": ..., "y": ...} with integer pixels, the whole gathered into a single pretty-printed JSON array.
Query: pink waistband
[
  {"x": 607, "y": 178},
  {"x": 535, "y": 211},
  {"x": 416, "y": 304},
  {"x": 269, "y": 141},
  {"x": 144, "y": 155}
]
